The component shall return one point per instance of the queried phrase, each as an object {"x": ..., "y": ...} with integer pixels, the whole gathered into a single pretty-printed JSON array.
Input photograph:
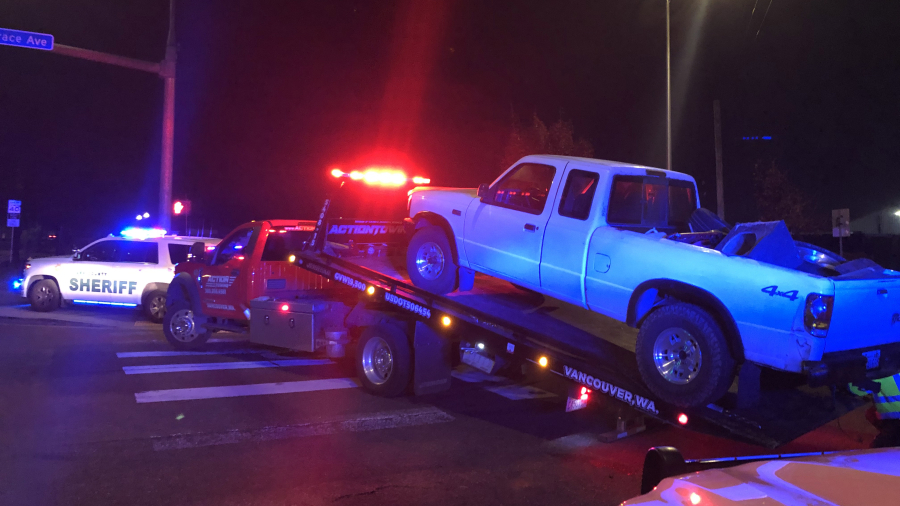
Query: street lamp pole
[{"x": 668, "y": 92}]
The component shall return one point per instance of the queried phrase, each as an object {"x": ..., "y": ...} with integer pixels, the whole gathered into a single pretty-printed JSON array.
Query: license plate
[
  {"x": 872, "y": 358},
  {"x": 573, "y": 404},
  {"x": 479, "y": 362}
]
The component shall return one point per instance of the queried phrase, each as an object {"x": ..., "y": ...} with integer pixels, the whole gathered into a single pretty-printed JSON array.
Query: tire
[
  {"x": 44, "y": 296},
  {"x": 154, "y": 305},
  {"x": 429, "y": 261},
  {"x": 705, "y": 369},
  {"x": 383, "y": 360},
  {"x": 181, "y": 327}
]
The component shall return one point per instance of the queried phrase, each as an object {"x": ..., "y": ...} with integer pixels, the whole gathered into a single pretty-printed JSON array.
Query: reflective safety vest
[{"x": 887, "y": 399}]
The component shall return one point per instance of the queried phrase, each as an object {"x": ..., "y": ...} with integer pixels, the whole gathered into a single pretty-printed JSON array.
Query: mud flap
[{"x": 432, "y": 361}]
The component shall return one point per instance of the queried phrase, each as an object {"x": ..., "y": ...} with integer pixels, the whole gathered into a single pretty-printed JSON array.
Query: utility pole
[
  {"x": 668, "y": 92},
  {"x": 720, "y": 186},
  {"x": 167, "y": 72}
]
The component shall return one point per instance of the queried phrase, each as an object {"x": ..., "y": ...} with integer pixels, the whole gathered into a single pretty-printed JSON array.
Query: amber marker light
[
  {"x": 446, "y": 321},
  {"x": 543, "y": 361},
  {"x": 370, "y": 290},
  {"x": 292, "y": 258}
]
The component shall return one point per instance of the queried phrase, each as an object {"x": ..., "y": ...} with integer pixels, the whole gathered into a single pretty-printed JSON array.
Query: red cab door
[{"x": 223, "y": 282}]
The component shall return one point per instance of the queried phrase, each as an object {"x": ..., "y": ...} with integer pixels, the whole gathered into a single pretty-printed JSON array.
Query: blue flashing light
[
  {"x": 143, "y": 233},
  {"x": 100, "y": 303},
  {"x": 17, "y": 283},
  {"x": 766, "y": 137}
]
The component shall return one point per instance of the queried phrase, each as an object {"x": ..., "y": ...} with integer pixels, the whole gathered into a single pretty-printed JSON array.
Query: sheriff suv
[{"x": 119, "y": 271}]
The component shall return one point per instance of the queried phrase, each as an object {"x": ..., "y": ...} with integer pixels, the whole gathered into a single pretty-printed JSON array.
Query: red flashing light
[
  {"x": 683, "y": 419},
  {"x": 210, "y": 248},
  {"x": 585, "y": 392},
  {"x": 380, "y": 176},
  {"x": 240, "y": 257},
  {"x": 695, "y": 498},
  {"x": 285, "y": 307}
]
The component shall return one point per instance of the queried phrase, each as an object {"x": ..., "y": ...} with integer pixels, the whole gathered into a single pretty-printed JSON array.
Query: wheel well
[
  {"x": 34, "y": 279},
  {"x": 428, "y": 218},
  {"x": 152, "y": 287},
  {"x": 659, "y": 292}
]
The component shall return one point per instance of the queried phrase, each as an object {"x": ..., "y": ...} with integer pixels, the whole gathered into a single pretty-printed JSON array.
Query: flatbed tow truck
[{"x": 403, "y": 338}]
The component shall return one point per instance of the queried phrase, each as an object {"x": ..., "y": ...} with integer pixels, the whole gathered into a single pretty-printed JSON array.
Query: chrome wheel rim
[
  {"x": 377, "y": 361},
  {"x": 430, "y": 260},
  {"x": 182, "y": 326},
  {"x": 677, "y": 356},
  {"x": 158, "y": 307}
]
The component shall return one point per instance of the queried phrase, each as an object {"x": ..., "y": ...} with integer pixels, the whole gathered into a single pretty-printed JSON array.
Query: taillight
[{"x": 817, "y": 316}]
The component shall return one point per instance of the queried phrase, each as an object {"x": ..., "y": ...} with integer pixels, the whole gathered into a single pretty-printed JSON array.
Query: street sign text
[{"x": 26, "y": 39}]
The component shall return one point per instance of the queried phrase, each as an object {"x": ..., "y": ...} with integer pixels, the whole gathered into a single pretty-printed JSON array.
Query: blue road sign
[{"x": 26, "y": 39}]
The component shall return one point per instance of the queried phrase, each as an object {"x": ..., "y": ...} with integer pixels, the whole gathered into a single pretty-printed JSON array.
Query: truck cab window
[
  {"x": 104, "y": 251},
  {"x": 648, "y": 202},
  {"x": 625, "y": 201},
  {"x": 682, "y": 203},
  {"x": 138, "y": 252},
  {"x": 578, "y": 195},
  {"x": 525, "y": 188},
  {"x": 235, "y": 245},
  {"x": 280, "y": 244}
]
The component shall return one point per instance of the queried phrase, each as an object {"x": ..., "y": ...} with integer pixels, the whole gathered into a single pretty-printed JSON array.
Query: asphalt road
[{"x": 103, "y": 412}]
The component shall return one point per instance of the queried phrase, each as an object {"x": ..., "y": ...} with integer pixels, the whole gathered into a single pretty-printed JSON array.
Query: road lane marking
[
  {"x": 375, "y": 421},
  {"x": 289, "y": 387},
  {"x": 142, "y": 354},
  {"x": 215, "y": 366}
]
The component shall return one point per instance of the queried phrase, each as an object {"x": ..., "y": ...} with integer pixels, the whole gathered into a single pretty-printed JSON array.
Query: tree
[
  {"x": 537, "y": 138},
  {"x": 778, "y": 198}
]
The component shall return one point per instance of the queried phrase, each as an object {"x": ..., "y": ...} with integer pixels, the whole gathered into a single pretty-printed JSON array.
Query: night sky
[{"x": 272, "y": 94}]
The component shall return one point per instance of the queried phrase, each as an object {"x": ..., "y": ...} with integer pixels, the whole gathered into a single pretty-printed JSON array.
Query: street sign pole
[
  {"x": 840, "y": 227},
  {"x": 13, "y": 212}
]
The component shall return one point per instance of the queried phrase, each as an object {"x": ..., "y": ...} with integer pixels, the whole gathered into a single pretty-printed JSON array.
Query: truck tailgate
[{"x": 866, "y": 313}]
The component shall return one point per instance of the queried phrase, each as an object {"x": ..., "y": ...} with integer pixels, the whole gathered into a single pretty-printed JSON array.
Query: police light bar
[
  {"x": 143, "y": 233},
  {"x": 380, "y": 176}
]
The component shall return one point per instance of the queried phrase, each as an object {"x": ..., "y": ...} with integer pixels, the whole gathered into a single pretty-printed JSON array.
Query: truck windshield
[{"x": 281, "y": 243}]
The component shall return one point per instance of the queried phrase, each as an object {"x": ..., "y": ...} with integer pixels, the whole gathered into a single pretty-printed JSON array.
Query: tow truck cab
[{"x": 252, "y": 261}]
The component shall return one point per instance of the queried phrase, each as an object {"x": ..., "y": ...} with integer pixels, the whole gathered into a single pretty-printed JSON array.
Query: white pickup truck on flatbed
[{"x": 632, "y": 243}]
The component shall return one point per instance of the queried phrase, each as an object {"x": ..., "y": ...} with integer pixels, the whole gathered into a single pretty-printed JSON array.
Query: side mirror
[
  {"x": 198, "y": 252},
  {"x": 483, "y": 190}
]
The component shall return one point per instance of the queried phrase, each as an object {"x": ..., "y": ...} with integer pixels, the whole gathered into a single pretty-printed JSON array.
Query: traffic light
[{"x": 181, "y": 207}]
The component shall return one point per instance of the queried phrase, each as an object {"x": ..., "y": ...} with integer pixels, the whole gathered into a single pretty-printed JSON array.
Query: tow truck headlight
[{"x": 817, "y": 316}]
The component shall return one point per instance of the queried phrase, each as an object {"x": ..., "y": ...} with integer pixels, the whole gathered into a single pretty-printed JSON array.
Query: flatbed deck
[{"x": 601, "y": 350}]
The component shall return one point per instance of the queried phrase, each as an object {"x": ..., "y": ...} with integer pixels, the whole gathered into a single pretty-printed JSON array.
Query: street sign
[
  {"x": 26, "y": 39},
  {"x": 13, "y": 210},
  {"x": 840, "y": 223}
]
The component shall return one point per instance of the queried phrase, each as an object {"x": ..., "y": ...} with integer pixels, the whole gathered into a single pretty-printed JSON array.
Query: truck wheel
[
  {"x": 383, "y": 360},
  {"x": 683, "y": 357},
  {"x": 154, "y": 305},
  {"x": 182, "y": 329},
  {"x": 44, "y": 296},
  {"x": 429, "y": 261}
]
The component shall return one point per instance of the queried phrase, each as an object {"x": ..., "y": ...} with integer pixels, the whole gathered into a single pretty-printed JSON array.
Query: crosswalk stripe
[
  {"x": 186, "y": 394},
  {"x": 215, "y": 366},
  {"x": 142, "y": 354}
]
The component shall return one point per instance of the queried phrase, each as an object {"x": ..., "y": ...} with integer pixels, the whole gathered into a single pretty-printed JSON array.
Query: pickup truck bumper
[{"x": 843, "y": 367}]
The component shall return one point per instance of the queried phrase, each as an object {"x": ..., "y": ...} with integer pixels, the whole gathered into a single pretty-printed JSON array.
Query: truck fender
[
  {"x": 361, "y": 316},
  {"x": 184, "y": 287},
  {"x": 426, "y": 218},
  {"x": 657, "y": 292}
]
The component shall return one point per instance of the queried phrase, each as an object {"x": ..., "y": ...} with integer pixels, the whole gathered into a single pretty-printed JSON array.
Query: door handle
[{"x": 531, "y": 228}]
